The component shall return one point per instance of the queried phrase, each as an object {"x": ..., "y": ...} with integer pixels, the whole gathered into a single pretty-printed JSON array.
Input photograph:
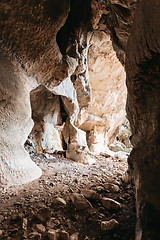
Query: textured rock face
[
  {"x": 143, "y": 109},
  {"x": 107, "y": 79},
  {"x": 16, "y": 166},
  {"x": 28, "y": 33},
  {"x": 115, "y": 17},
  {"x": 47, "y": 131},
  {"x": 46, "y": 49}
]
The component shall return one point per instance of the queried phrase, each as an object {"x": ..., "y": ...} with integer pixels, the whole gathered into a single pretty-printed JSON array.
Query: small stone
[
  {"x": 80, "y": 202},
  {"x": 63, "y": 235},
  {"x": 91, "y": 194},
  {"x": 75, "y": 180},
  {"x": 109, "y": 225},
  {"x": 99, "y": 188},
  {"x": 110, "y": 203},
  {"x": 44, "y": 214},
  {"x": 35, "y": 236},
  {"x": 59, "y": 202},
  {"x": 40, "y": 228},
  {"x": 126, "y": 178},
  {"x": 52, "y": 235},
  {"x": 111, "y": 187},
  {"x": 24, "y": 224},
  {"x": 1, "y": 218},
  {"x": 96, "y": 179},
  {"x": 74, "y": 236}
]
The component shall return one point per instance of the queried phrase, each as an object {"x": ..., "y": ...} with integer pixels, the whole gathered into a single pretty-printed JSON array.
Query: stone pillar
[{"x": 16, "y": 166}]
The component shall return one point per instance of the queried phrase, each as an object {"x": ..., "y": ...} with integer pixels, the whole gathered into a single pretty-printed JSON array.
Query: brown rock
[
  {"x": 44, "y": 214},
  {"x": 63, "y": 235},
  {"x": 40, "y": 228},
  {"x": 74, "y": 236},
  {"x": 1, "y": 218},
  {"x": 52, "y": 235},
  {"x": 80, "y": 202},
  {"x": 35, "y": 236},
  {"x": 126, "y": 178},
  {"x": 91, "y": 194},
  {"x": 59, "y": 202},
  {"x": 111, "y": 187},
  {"x": 110, "y": 203},
  {"x": 24, "y": 224},
  {"x": 109, "y": 225}
]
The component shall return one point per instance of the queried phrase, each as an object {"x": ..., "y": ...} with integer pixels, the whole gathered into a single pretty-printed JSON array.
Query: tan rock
[
  {"x": 35, "y": 236},
  {"x": 126, "y": 178},
  {"x": 16, "y": 166},
  {"x": 74, "y": 236},
  {"x": 63, "y": 235},
  {"x": 44, "y": 214},
  {"x": 59, "y": 202},
  {"x": 109, "y": 225},
  {"x": 1, "y": 218},
  {"x": 107, "y": 79},
  {"x": 80, "y": 202},
  {"x": 52, "y": 235},
  {"x": 111, "y": 187},
  {"x": 110, "y": 203},
  {"x": 24, "y": 224},
  {"x": 40, "y": 228},
  {"x": 91, "y": 194}
]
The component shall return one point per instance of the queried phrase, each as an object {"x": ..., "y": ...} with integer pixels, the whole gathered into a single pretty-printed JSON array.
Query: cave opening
[
  {"x": 93, "y": 192},
  {"x": 72, "y": 200}
]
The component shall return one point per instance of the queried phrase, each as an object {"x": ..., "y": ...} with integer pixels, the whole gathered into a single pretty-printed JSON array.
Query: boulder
[{"x": 80, "y": 202}]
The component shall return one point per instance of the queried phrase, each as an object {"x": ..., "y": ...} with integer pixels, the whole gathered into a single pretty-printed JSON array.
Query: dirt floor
[{"x": 32, "y": 211}]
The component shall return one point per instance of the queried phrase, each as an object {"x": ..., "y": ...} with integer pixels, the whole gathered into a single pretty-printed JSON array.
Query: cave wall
[
  {"x": 143, "y": 111},
  {"x": 16, "y": 167},
  {"x": 51, "y": 44},
  {"x": 30, "y": 57}
]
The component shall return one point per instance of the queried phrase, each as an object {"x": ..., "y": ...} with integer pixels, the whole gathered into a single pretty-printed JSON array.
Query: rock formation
[
  {"x": 56, "y": 49},
  {"x": 58, "y": 65},
  {"x": 142, "y": 68}
]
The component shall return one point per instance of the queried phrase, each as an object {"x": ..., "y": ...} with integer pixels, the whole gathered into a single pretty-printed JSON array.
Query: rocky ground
[{"x": 71, "y": 201}]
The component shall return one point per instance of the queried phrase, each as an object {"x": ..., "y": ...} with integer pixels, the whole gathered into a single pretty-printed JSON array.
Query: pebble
[
  {"x": 109, "y": 203},
  {"x": 63, "y": 235},
  {"x": 91, "y": 194},
  {"x": 59, "y": 202},
  {"x": 1, "y": 218},
  {"x": 24, "y": 224},
  {"x": 126, "y": 178},
  {"x": 35, "y": 235},
  {"x": 44, "y": 214},
  {"x": 109, "y": 225},
  {"x": 111, "y": 187},
  {"x": 96, "y": 179},
  {"x": 80, "y": 202},
  {"x": 74, "y": 236},
  {"x": 40, "y": 228},
  {"x": 52, "y": 235}
]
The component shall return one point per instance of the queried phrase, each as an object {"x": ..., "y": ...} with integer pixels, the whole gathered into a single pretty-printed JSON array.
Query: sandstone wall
[{"x": 143, "y": 111}]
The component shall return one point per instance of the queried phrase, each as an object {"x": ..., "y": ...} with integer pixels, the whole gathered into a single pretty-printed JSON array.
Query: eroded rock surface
[
  {"x": 143, "y": 112},
  {"x": 50, "y": 50},
  {"x": 16, "y": 167}
]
